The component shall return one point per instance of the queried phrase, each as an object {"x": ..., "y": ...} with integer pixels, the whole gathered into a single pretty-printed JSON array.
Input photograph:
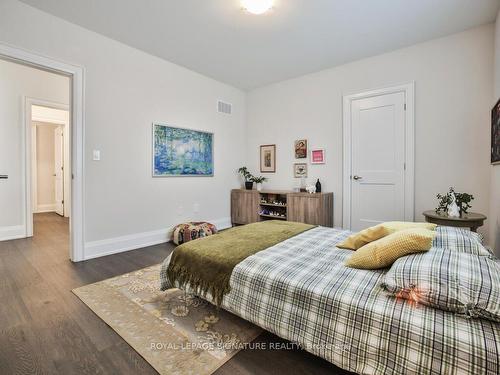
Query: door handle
[
  {"x": 356, "y": 177},
  {"x": 3, "y": 176}
]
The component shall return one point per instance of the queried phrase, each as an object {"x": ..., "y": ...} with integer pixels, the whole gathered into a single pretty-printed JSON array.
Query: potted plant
[
  {"x": 462, "y": 200},
  {"x": 259, "y": 180},
  {"x": 247, "y": 176}
]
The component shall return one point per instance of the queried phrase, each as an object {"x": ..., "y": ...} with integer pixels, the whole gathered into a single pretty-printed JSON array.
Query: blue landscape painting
[{"x": 182, "y": 152}]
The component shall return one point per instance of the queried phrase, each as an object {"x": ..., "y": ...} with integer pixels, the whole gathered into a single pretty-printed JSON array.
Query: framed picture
[
  {"x": 301, "y": 149},
  {"x": 182, "y": 152},
  {"x": 268, "y": 158},
  {"x": 318, "y": 156},
  {"x": 300, "y": 170},
  {"x": 495, "y": 134}
]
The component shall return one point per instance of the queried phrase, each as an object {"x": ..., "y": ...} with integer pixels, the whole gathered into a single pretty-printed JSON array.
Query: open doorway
[
  {"x": 15, "y": 146},
  {"x": 35, "y": 157},
  {"x": 50, "y": 159}
]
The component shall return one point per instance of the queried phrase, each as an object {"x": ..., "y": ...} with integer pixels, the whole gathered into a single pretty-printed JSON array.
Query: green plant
[
  {"x": 246, "y": 174},
  {"x": 462, "y": 200},
  {"x": 259, "y": 180}
]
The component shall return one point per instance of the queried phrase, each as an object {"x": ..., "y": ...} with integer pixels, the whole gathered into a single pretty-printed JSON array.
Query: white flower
[
  {"x": 180, "y": 310},
  {"x": 201, "y": 326},
  {"x": 211, "y": 319}
]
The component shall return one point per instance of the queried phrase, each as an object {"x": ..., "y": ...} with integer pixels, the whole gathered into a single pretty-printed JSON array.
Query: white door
[
  {"x": 59, "y": 169},
  {"x": 377, "y": 175}
]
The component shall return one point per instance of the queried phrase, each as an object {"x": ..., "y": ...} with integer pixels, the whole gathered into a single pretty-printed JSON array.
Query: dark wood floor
[{"x": 47, "y": 329}]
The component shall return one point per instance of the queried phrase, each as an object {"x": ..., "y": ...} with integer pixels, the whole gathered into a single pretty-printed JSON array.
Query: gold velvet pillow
[
  {"x": 383, "y": 252},
  {"x": 357, "y": 240}
]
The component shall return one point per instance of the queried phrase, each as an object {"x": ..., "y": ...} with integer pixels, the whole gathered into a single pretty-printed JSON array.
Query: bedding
[
  {"x": 300, "y": 290},
  {"x": 206, "y": 265},
  {"x": 461, "y": 240},
  {"x": 449, "y": 280}
]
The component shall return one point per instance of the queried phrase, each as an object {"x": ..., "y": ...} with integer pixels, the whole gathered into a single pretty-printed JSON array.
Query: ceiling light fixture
[{"x": 257, "y": 6}]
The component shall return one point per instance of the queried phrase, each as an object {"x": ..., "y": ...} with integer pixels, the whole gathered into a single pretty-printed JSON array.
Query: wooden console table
[
  {"x": 250, "y": 206},
  {"x": 470, "y": 220}
]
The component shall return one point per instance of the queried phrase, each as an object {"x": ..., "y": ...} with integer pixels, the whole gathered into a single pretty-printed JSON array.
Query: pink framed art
[{"x": 318, "y": 156}]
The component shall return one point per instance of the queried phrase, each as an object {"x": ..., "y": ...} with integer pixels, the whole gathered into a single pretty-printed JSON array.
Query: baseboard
[
  {"x": 96, "y": 249},
  {"x": 45, "y": 208},
  {"x": 12, "y": 232}
]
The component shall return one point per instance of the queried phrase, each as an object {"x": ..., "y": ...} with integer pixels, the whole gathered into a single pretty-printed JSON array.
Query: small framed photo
[
  {"x": 318, "y": 156},
  {"x": 268, "y": 158},
  {"x": 300, "y": 170},
  {"x": 301, "y": 149}
]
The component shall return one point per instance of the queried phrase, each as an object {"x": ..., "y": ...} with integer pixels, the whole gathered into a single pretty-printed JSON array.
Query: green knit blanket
[{"x": 206, "y": 264}]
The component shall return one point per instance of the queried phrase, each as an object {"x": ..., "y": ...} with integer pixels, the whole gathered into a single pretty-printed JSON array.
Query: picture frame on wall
[
  {"x": 495, "y": 133},
  {"x": 268, "y": 159},
  {"x": 300, "y": 149},
  {"x": 180, "y": 152},
  {"x": 318, "y": 156},
  {"x": 300, "y": 170}
]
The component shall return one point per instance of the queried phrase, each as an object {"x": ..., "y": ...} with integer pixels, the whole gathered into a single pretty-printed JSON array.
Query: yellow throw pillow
[
  {"x": 383, "y": 252},
  {"x": 355, "y": 241},
  {"x": 402, "y": 225}
]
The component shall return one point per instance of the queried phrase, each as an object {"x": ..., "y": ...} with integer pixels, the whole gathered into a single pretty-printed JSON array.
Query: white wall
[
  {"x": 453, "y": 78},
  {"x": 16, "y": 82},
  {"x": 45, "y": 165},
  {"x": 125, "y": 91},
  {"x": 495, "y": 169}
]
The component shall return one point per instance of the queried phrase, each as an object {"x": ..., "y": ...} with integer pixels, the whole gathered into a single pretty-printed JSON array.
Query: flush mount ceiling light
[{"x": 257, "y": 6}]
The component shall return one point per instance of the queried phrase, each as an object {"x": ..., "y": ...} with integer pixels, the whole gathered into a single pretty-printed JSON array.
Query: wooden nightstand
[{"x": 471, "y": 220}]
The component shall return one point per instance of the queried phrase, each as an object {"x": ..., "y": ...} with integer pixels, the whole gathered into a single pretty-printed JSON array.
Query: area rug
[{"x": 175, "y": 332}]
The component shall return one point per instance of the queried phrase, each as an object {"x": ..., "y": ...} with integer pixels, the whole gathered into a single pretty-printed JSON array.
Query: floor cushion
[{"x": 191, "y": 231}]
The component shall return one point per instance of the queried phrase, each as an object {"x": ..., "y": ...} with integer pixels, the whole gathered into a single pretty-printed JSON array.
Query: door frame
[
  {"x": 409, "y": 184},
  {"x": 32, "y": 206},
  {"x": 77, "y": 75}
]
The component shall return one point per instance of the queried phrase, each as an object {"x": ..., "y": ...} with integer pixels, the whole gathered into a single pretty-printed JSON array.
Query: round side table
[{"x": 470, "y": 220}]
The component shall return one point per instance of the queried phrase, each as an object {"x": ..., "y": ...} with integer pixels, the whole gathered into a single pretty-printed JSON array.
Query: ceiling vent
[{"x": 224, "y": 107}]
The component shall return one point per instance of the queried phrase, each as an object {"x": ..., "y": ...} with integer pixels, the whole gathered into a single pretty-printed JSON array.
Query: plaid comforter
[{"x": 300, "y": 290}]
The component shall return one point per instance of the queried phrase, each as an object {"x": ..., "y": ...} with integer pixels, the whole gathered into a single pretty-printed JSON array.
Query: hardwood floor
[{"x": 45, "y": 329}]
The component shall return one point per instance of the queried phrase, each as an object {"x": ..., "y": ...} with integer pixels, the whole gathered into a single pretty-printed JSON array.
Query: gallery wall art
[
  {"x": 495, "y": 134},
  {"x": 318, "y": 156},
  {"x": 182, "y": 152},
  {"x": 268, "y": 158},
  {"x": 301, "y": 149},
  {"x": 300, "y": 170}
]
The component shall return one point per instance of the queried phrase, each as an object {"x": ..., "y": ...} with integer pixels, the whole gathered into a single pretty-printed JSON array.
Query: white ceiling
[{"x": 218, "y": 39}]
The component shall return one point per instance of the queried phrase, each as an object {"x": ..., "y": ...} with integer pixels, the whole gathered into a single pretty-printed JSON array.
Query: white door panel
[{"x": 377, "y": 160}]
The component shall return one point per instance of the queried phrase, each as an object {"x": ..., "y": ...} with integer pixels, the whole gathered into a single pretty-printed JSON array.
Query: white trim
[
  {"x": 45, "y": 208},
  {"x": 109, "y": 246},
  {"x": 96, "y": 249},
  {"x": 77, "y": 73},
  {"x": 33, "y": 189},
  {"x": 409, "y": 90},
  {"x": 12, "y": 233}
]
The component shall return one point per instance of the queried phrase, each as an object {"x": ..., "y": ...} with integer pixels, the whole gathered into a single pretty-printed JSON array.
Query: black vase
[
  {"x": 249, "y": 185},
  {"x": 318, "y": 186}
]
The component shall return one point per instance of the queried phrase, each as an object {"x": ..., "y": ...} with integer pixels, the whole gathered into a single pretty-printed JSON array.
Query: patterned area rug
[{"x": 176, "y": 333}]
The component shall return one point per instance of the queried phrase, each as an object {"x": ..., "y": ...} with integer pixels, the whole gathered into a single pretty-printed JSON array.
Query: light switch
[{"x": 96, "y": 155}]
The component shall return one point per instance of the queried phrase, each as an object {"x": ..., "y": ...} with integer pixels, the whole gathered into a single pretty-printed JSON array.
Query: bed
[{"x": 300, "y": 290}]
